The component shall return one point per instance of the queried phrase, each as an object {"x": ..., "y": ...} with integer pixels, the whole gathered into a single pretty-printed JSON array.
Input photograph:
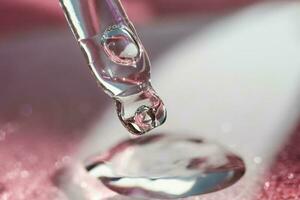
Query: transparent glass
[{"x": 118, "y": 61}]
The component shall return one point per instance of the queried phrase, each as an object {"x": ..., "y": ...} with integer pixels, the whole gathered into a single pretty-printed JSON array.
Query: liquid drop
[
  {"x": 166, "y": 167},
  {"x": 142, "y": 111}
]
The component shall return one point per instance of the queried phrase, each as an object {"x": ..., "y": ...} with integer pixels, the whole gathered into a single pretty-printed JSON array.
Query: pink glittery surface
[
  {"x": 47, "y": 104},
  {"x": 28, "y": 160},
  {"x": 283, "y": 179},
  {"x": 48, "y": 101}
]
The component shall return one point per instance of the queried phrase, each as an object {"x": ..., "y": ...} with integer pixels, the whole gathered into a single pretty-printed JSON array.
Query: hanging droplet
[
  {"x": 120, "y": 45},
  {"x": 141, "y": 112}
]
